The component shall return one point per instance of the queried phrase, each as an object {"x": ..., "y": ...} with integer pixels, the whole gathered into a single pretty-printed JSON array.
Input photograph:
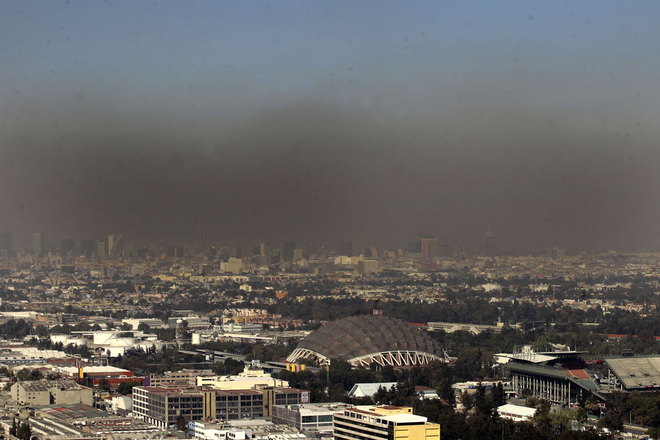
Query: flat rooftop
[
  {"x": 636, "y": 372},
  {"x": 405, "y": 418},
  {"x": 313, "y": 408}
]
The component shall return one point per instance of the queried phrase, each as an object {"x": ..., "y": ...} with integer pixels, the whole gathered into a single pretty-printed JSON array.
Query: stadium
[{"x": 363, "y": 340}]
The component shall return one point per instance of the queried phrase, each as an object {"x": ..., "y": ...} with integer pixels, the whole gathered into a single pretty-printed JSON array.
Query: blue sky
[{"x": 237, "y": 58}]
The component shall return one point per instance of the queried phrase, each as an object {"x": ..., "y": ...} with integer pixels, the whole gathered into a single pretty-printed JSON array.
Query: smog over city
[
  {"x": 329, "y": 220},
  {"x": 315, "y": 123}
]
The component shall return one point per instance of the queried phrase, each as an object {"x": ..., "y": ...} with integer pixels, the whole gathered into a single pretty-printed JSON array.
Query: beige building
[
  {"x": 46, "y": 392},
  {"x": 383, "y": 423},
  {"x": 177, "y": 379},
  {"x": 252, "y": 376}
]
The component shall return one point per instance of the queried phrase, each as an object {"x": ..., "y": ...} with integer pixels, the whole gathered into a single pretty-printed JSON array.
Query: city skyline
[{"x": 426, "y": 246}]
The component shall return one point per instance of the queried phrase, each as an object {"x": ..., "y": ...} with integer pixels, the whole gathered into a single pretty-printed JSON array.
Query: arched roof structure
[{"x": 363, "y": 340}]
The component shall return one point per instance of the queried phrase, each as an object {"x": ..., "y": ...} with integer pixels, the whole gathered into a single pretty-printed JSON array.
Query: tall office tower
[
  {"x": 115, "y": 244},
  {"x": 67, "y": 245},
  {"x": 311, "y": 249},
  {"x": 100, "y": 249},
  {"x": 288, "y": 249},
  {"x": 489, "y": 244},
  {"x": 37, "y": 243},
  {"x": 264, "y": 249},
  {"x": 415, "y": 247},
  {"x": 6, "y": 242},
  {"x": 202, "y": 236},
  {"x": 87, "y": 247},
  {"x": 429, "y": 247},
  {"x": 346, "y": 248}
]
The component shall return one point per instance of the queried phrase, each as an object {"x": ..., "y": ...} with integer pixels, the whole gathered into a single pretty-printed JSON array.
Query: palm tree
[{"x": 591, "y": 404}]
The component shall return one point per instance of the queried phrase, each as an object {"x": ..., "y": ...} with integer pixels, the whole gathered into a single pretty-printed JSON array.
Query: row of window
[{"x": 322, "y": 418}]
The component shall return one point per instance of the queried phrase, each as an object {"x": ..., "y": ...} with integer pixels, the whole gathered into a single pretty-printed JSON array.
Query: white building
[
  {"x": 68, "y": 339},
  {"x": 516, "y": 413},
  {"x": 151, "y": 322},
  {"x": 243, "y": 430},
  {"x": 233, "y": 265},
  {"x": 369, "y": 389}
]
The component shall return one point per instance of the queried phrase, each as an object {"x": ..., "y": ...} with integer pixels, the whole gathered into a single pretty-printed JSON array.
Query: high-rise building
[
  {"x": 88, "y": 247},
  {"x": 288, "y": 249},
  {"x": 429, "y": 247},
  {"x": 67, "y": 245},
  {"x": 202, "y": 236},
  {"x": 346, "y": 248},
  {"x": 174, "y": 252},
  {"x": 37, "y": 243},
  {"x": 115, "y": 243},
  {"x": 6, "y": 242},
  {"x": 415, "y": 247},
  {"x": 489, "y": 244},
  {"x": 100, "y": 249},
  {"x": 264, "y": 249}
]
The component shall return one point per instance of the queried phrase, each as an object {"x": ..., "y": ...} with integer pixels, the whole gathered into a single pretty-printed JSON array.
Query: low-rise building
[
  {"x": 252, "y": 429},
  {"x": 239, "y": 404},
  {"x": 185, "y": 378},
  {"x": 46, "y": 392},
  {"x": 163, "y": 406},
  {"x": 369, "y": 389},
  {"x": 516, "y": 413},
  {"x": 310, "y": 418},
  {"x": 96, "y": 373},
  {"x": 383, "y": 423}
]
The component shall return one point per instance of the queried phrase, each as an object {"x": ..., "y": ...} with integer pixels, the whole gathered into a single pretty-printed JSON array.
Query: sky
[{"x": 370, "y": 121}]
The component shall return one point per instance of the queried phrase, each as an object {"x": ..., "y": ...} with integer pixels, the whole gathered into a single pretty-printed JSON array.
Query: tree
[
  {"x": 182, "y": 423},
  {"x": 560, "y": 421},
  {"x": 41, "y": 331},
  {"x": 497, "y": 396},
  {"x": 24, "y": 432},
  {"x": 104, "y": 384},
  {"x": 481, "y": 402},
  {"x": 467, "y": 400},
  {"x": 125, "y": 388},
  {"x": 446, "y": 392},
  {"x": 381, "y": 395},
  {"x": 29, "y": 374}
]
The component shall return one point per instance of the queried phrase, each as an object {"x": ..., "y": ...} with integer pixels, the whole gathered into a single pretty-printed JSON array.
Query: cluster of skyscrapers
[{"x": 428, "y": 247}]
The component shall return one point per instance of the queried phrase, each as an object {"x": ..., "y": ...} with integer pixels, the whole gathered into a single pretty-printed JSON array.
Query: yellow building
[{"x": 383, "y": 423}]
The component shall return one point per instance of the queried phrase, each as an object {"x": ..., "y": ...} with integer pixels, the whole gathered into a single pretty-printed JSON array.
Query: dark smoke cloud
[{"x": 323, "y": 173}]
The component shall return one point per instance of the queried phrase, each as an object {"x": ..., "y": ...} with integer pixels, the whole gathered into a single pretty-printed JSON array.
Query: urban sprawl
[{"x": 102, "y": 339}]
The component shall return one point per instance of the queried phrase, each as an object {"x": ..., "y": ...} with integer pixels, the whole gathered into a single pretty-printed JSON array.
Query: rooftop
[
  {"x": 636, "y": 372},
  {"x": 45, "y": 385}
]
